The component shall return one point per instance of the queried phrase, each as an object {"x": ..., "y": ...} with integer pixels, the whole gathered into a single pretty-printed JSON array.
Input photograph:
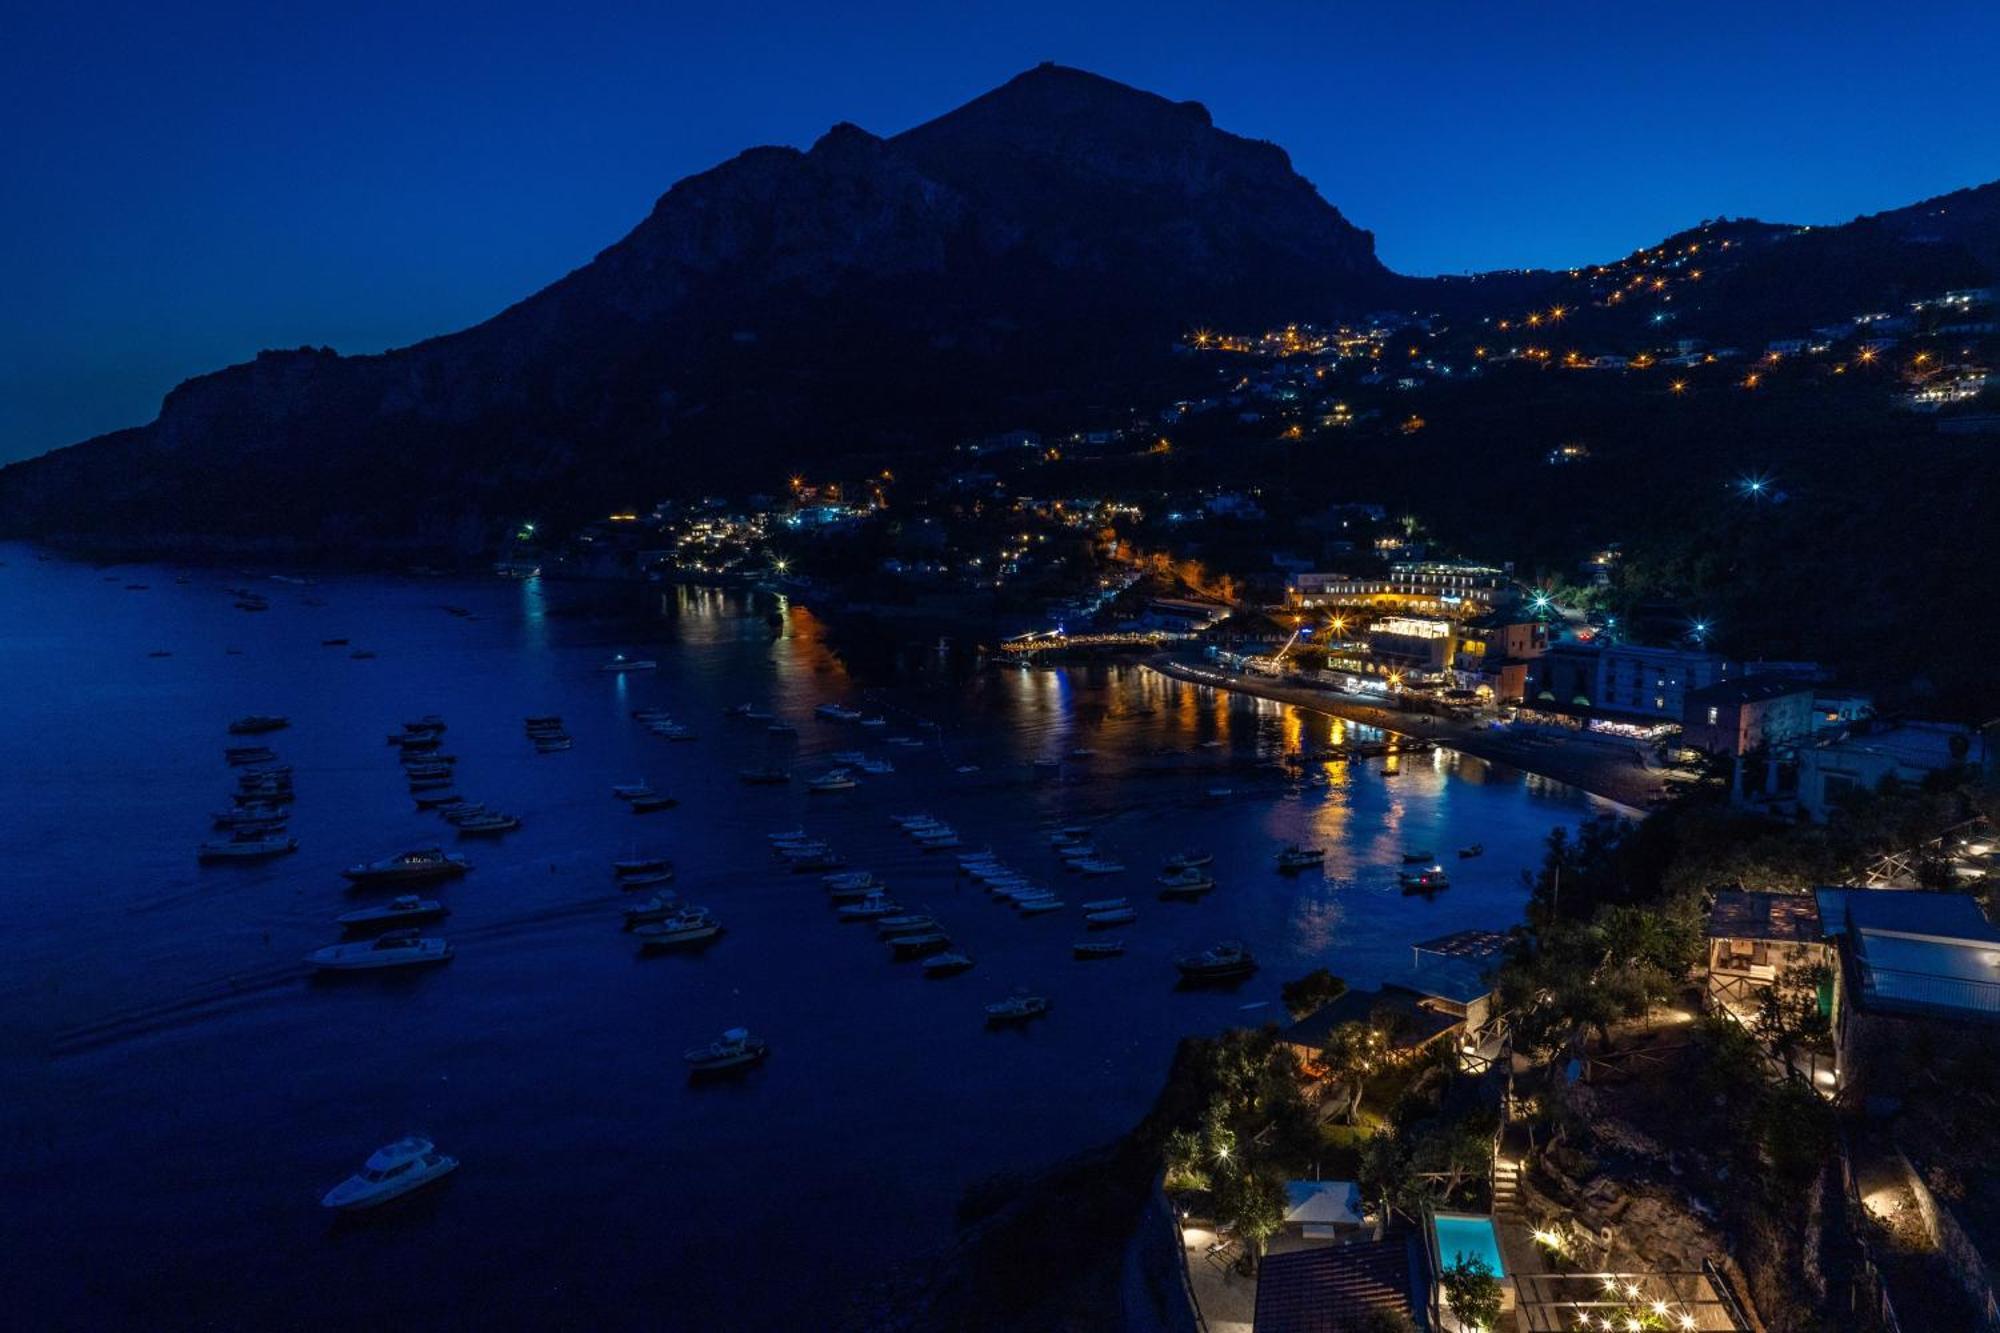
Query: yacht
[
  {"x": 1185, "y": 884},
  {"x": 1107, "y": 904},
  {"x": 690, "y": 926},
  {"x": 251, "y": 819},
  {"x": 256, "y": 724},
  {"x": 1189, "y": 860},
  {"x": 734, "y": 1050},
  {"x": 248, "y": 846},
  {"x": 912, "y": 923},
  {"x": 418, "y": 866},
  {"x": 389, "y": 1173},
  {"x": 837, "y": 780},
  {"x": 1016, "y": 1009},
  {"x": 1107, "y": 917},
  {"x": 1295, "y": 857},
  {"x": 1467, "y": 853},
  {"x": 1087, "y": 949},
  {"x": 1228, "y": 961},
  {"x": 619, "y": 662},
  {"x": 398, "y": 948},
  {"x": 404, "y": 909},
  {"x": 656, "y": 908},
  {"x": 948, "y": 964},
  {"x": 851, "y": 893}
]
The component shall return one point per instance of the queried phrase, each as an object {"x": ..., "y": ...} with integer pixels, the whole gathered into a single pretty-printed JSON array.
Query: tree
[
  {"x": 1472, "y": 1291},
  {"x": 1311, "y": 992},
  {"x": 1253, "y": 1203},
  {"x": 1451, "y": 1149},
  {"x": 1352, "y": 1052}
]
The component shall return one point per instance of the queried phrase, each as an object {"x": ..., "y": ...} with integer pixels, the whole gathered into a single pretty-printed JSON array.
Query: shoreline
[{"x": 1601, "y": 770}]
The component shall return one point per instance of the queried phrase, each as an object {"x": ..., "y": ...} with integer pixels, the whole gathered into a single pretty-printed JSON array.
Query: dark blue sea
[{"x": 178, "y": 1092}]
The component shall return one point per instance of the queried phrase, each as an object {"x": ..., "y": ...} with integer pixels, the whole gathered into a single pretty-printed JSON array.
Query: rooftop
[
  {"x": 1747, "y": 690},
  {"x": 1789, "y": 917},
  {"x": 1465, "y": 944},
  {"x": 1411, "y": 1024},
  {"x": 1328, "y": 1290}
]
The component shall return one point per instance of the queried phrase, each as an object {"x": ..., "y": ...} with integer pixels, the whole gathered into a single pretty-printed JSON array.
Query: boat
[
  {"x": 737, "y": 710},
  {"x": 836, "y": 713},
  {"x": 362, "y": 654},
  {"x": 948, "y": 964},
  {"x": 398, "y": 948},
  {"x": 851, "y": 893},
  {"x": 758, "y": 715},
  {"x": 1106, "y": 904},
  {"x": 837, "y": 780},
  {"x": 1419, "y": 858},
  {"x": 626, "y": 791},
  {"x": 1036, "y": 906},
  {"x": 914, "y": 923},
  {"x": 1295, "y": 857},
  {"x": 553, "y": 745},
  {"x": 405, "y": 909},
  {"x": 656, "y": 908},
  {"x": 641, "y": 865},
  {"x": 908, "y": 821},
  {"x": 876, "y": 767},
  {"x": 1189, "y": 860},
  {"x": 673, "y": 731},
  {"x": 646, "y": 879},
  {"x": 875, "y": 723},
  {"x": 690, "y": 926},
  {"x": 545, "y": 720},
  {"x": 1110, "y": 916},
  {"x": 619, "y": 662},
  {"x": 870, "y": 908},
  {"x": 906, "y": 742},
  {"x": 390, "y": 1173},
  {"x": 430, "y": 782},
  {"x": 764, "y": 777},
  {"x": 436, "y": 799},
  {"x": 486, "y": 825},
  {"x": 734, "y": 1050},
  {"x": 248, "y": 846},
  {"x": 1087, "y": 949},
  {"x": 411, "y": 867},
  {"x": 1185, "y": 884},
  {"x": 814, "y": 862},
  {"x": 1092, "y": 865},
  {"x": 850, "y": 879},
  {"x": 1467, "y": 853},
  {"x": 248, "y": 754},
  {"x": 1228, "y": 961},
  {"x": 1016, "y": 1009},
  {"x": 257, "y": 724},
  {"x": 642, "y": 805},
  {"x": 1430, "y": 879},
  {"x": 920, "y": 944}
]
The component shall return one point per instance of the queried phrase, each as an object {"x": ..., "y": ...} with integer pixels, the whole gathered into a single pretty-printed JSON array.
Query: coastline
[{"x": 1604, "y": 771}]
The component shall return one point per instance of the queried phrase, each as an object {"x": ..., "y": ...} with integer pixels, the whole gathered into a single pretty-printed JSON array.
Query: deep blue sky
[{"x": 183, "y": 184}]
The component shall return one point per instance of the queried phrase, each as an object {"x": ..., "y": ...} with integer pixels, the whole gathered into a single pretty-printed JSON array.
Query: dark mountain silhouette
[{"x": 1024, "y": 258}]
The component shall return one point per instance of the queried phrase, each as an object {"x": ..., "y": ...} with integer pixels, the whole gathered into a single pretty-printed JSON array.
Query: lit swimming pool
[{"x": 1464, "y": 1233}]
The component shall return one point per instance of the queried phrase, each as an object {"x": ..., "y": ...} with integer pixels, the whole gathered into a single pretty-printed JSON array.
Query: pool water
[{"x": 1462, "y": 1233}]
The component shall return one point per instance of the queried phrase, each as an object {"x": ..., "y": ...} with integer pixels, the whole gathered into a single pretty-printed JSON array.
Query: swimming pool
[{"x": 1468, "y": 1234}]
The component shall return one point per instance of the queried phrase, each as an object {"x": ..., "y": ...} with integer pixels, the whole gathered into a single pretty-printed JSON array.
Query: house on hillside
[{"x": 1753, "y": 938}]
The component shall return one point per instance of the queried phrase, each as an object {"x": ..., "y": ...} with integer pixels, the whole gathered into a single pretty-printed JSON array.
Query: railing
[{"x": 1725, "y": 1294}]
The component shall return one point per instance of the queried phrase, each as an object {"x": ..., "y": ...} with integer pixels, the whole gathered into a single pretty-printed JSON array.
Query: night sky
[{"x": 181, "y": 185}]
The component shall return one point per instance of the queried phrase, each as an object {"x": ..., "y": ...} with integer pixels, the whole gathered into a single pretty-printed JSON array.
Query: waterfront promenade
[{"x": 1608, "y": 768}]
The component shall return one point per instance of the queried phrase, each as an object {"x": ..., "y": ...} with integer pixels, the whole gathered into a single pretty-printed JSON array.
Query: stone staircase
[{"x": 1506, "y": 1188}]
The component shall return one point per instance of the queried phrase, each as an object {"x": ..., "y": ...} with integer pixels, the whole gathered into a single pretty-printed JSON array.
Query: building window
[{"x": 1714, "y": 715}]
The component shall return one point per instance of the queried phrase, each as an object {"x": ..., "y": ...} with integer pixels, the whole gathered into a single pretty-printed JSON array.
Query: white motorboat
[
  {"x": 404, "y": 910},
  {"x": 398, "y": 948},
  {"x": 389, "y": 1173},
  {"x": 642, "y": 865},
  {"x": 690, "y": 926},
  {"x": 870, "y": 908},
  {"x": 910, "y": 923},
  {"x": 1228, "y": 961},
  {"x": 619, "y": 662},
  {"x": 837, "y": 780},
  {"x": 1088, "y": 949},
  {"x": 626, "y": 791},
  {"x": 788, "y": 835},
  {"x": 1295, "y": 857},
  {"x": 1189, "y": 860},
  {"x": 1110, "y": 916},
  {"x": 412, "y": 867},
  {"x": 248, "y": 847},
  {"x": 646, "y": 879},
  {"x": 919, "y": 944},
  {"x": 850, "y": 879},
  {"x": 1106, "y": 904},
  {"x": 855, "y": 757},
  {"x": 948, "y": 964},
  {"x": 487, "y": 825},
  {"x": 656, "y": 908},
  {"x": 1098, "y": 866},
  {"x": 906, "y": 821},
  {"x": 875, "y": 723},
  {"x": 735, "y": 1049},
  {"x": 876, "y": 767},
  {"x": 553, "y": 745},
  {"x": 1037, "y": 906}
]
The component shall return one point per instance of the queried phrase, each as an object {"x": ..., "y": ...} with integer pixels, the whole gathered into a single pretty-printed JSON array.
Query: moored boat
[
  {"x": 389, "y": 1173},
  {"x": 1228, "y": 961},
  {"x": 1097, "y": 948},
  {"x": 1294, "y": 857},
  {"x": 1016, "y": 1009},
  {"x": 948, "y": 964},
  {"x": 257, "y": 724},
  {"x": 691, "y": 926},
  {"x": 412, "y": 867},
  {"x": 248, "y": 846},
  {"x": 404, "y": 910},
  {"x": 398, "y": 948},
  {"x": 734, "y": 1050}
]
